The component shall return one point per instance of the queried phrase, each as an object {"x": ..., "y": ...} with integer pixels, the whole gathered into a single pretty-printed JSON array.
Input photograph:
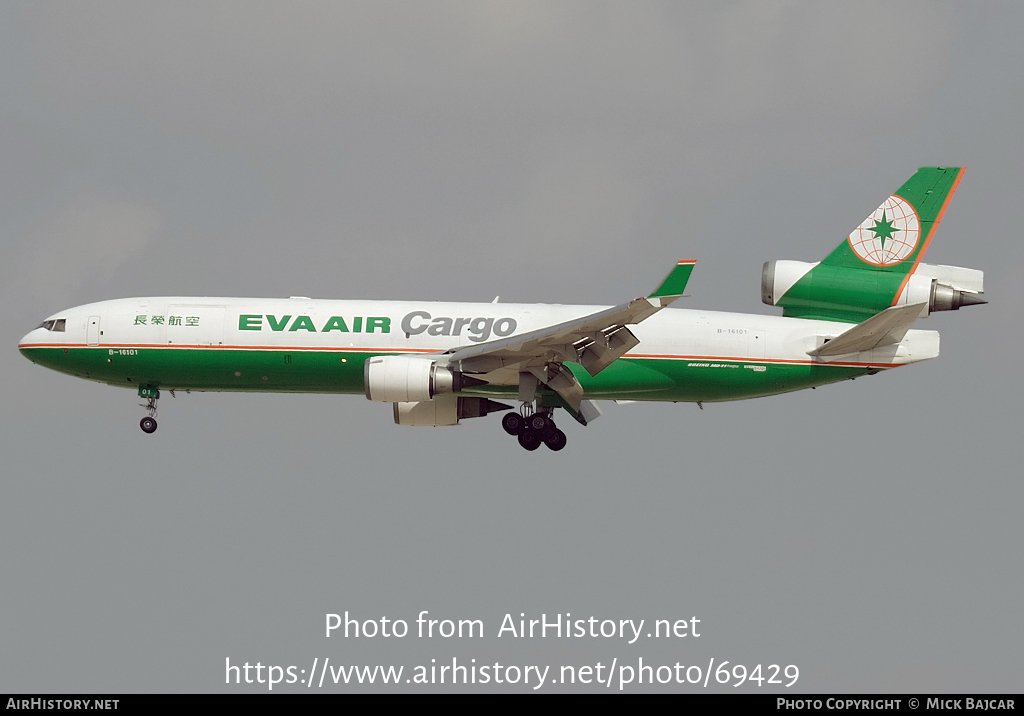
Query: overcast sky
[{"x": 562, "y": 152}]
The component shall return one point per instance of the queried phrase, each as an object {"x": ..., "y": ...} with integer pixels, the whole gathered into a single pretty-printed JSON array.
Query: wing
[{"x": 593, "y": 341}]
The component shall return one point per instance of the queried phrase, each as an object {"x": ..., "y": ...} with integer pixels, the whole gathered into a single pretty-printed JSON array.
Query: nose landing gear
[
  {"x": 151, "y": 395},
  {"x": 532, "y": 429}
]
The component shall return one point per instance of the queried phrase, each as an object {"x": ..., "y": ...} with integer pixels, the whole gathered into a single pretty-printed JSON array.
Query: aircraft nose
[{"x": 27, "y": 340}]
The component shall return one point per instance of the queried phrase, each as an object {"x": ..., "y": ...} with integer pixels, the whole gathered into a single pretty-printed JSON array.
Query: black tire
[
  {"x": 513, "y": 423},
  {"x": 529, "y": 439},
  {"x": 148, "y": 425},
  {"x": 541, "y": 424},
  {"x": 557, "y": 440}
]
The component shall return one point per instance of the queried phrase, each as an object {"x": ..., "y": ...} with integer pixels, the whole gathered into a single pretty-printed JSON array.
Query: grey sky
[{"x": 568, "y": 152}]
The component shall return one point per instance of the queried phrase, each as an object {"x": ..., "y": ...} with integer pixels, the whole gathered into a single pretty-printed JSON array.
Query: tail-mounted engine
[{"x": 857, "y": 294}]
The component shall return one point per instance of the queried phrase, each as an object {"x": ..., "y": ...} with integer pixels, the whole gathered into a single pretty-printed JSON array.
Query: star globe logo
[{"x": 889, "y": 235}]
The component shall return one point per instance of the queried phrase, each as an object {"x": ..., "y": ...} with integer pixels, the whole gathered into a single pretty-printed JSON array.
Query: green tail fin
[
  {"x": 896, "y": 235},
  {"x": 867, "y": 272}
]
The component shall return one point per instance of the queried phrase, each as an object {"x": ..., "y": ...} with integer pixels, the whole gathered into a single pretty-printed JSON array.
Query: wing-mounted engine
[
  {"x": 410, "y": 378},
  {"x": 423, "y": 391},
  {"x": 830, "y": 292},
  {"x": 445, "y": 409}
]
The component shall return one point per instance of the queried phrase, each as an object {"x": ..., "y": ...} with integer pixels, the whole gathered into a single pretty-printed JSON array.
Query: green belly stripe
[{"x": 215, "y": 369}]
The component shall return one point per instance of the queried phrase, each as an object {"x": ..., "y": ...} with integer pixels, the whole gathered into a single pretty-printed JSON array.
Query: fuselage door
[{"x": 92, "y": 331}]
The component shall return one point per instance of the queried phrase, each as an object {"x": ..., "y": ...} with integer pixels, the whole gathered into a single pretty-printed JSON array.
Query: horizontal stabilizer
[{"x": 885, "y": 328}]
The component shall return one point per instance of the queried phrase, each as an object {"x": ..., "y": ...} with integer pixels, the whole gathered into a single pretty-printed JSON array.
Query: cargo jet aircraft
[{"x": 438, "y": 363}]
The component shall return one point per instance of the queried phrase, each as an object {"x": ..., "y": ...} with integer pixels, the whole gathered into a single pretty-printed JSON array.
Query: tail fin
[
  {"x": 895, "y": 236},
  {"x": 870, "y": 269}
]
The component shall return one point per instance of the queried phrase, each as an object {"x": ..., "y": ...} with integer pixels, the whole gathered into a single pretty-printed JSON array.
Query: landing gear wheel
[
  {"x": 541, "y": 424},
  {"x": 529, "y": 439},
  {"x": 556, "y": 441},
  {"x": 513, "y": 423},
  {"x": 150, "y": 395}
]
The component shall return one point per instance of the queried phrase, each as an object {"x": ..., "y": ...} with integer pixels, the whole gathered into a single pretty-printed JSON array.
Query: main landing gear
[
  {"x": 533, "y": 429},
  {"x": 151, "y": 395}
]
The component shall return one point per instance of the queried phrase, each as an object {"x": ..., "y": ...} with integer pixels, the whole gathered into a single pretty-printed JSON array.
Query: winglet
[{"x": 675, "y": 283}]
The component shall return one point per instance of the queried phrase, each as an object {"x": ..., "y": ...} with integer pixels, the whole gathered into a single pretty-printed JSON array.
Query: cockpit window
[{"x": 57, "y": 325}]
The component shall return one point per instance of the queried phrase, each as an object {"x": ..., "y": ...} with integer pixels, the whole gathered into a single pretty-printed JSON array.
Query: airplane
[{"x": 846, "y": 316}]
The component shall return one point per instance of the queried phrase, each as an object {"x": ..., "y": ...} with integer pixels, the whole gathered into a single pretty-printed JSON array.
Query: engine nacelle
[
  {"x": 403, "y": 379},
  {"x": 944, "y": 288},
  {"x": 861, "y": 293},
  {"x": 777, "y": 277},
  {"x": 445, "y": 409}
]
